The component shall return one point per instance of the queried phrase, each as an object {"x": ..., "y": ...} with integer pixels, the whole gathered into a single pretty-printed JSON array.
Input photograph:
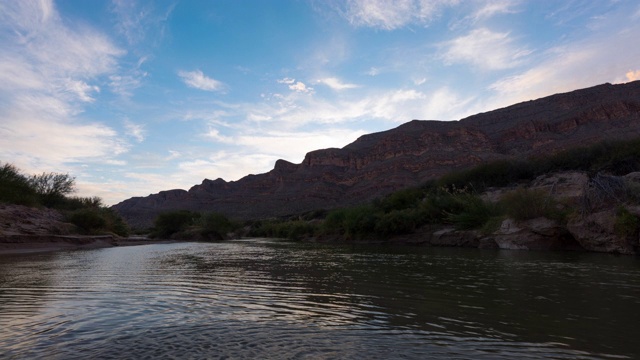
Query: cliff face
[{"x": 379, "y": 163}]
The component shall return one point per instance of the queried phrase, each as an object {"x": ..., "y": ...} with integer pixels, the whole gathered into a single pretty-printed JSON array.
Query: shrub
[
  {"x": 626, "y": 224},
  {"x": 397, "y": 222},
  {"x": 524, "y": 204},
  {"x": 296, "y": 230},
  {"x": 15, "y": 188},
  {"x": 360, "y": 221},
  {"x": 169, "y": 223},
  {"x": 498, "y": 173},
  {"x": 399, "y": 200},
  {"x": 89, "y": 221},
  {"x": 215, "y": 226},
  {"x": 97, "y": 220},
  {"x": 474, "y": 214}
]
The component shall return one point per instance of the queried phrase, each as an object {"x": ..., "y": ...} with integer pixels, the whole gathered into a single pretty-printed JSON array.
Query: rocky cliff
[{"x": 379, "y": 163}]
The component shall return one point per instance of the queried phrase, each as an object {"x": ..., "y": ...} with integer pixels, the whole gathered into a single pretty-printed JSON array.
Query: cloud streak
[
  {"x": 198, "y": 80},
  {"x": 337, "y": 84},
  {"x": 485, "y": 49},
  {"x": 392, "y": 14}
]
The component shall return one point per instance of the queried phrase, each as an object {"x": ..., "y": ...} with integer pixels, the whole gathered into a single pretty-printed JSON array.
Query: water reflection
[{"x": 269, "y": 299}]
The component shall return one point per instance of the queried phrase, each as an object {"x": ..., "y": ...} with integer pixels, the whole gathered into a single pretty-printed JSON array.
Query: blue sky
[{"x": 134, "y": 97}]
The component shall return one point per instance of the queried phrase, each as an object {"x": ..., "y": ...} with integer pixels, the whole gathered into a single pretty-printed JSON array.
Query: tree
[{"x": 53, "y": 184}]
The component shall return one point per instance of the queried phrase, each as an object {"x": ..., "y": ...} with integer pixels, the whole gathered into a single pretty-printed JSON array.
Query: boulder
[
  {"x": 535, "y": 234},
  {"x": 596, "y": 232}
]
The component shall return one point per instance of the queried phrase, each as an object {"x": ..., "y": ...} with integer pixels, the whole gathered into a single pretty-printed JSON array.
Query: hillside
[{"x": 379, "y": 163}]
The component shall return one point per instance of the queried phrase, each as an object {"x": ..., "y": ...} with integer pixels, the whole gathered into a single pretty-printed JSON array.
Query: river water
[{"x": 272, "y": 299}]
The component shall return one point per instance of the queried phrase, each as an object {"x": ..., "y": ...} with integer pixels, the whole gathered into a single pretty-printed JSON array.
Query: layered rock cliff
[{"x": 379, "y": 163}]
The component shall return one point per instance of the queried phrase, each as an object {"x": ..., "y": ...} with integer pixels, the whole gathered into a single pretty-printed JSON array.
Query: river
[{"x": 269, "y": 299}]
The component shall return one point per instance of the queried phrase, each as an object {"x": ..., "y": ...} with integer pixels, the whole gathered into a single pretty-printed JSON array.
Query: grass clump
[
  {"x": 474, "y": 212},
  {"x": 626, "y": 224},
  {"x": 525, "y": 204}
]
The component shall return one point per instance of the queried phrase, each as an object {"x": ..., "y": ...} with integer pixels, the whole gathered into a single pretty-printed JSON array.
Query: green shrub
[
  {"x": 296, "y": 230},
  {"x": 498, "y": 173},
  {"x": 399, "y": 200},
  {"x": 169, "y": 223},
  {"x": 525, "y": 204},
  {"x": 474, "y": 214},
  {"x": 335, "y": 222},
  {"x": 626, "y": 224},
  {"x": 89, "y": 221},
  {"x": 215, "y": 226},
  {"x": 98, "y": 220},
  {"x": 15, "y": 187},
  {"x": 397, "y": 222}
]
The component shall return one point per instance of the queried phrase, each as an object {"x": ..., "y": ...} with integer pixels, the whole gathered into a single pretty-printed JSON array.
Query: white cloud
[
  {"x": 336, "y": 84},
  {"x": 374, "y": 71},
  {"x": 594, "y": 60},
  {"x": 258, "y": 151},
  {"x": 485, "y": 49},
  {"x": 214, "y": 134},
  {"x": 124, "y": 85},
  {"x": 492, "y": 8},
  {"x": 135, "y": 21},
  {"x": 197, "y": 80},
  {"x": 392, "y": 14},
  {"x": 134, "y": 130},
  {"x": 80, "y": 89},
  {"x": 419, "y": 81},
  {"x": 633, "y": 75},
  {"x": 48, "y": 72},
  {"x": 296, "y": 86},
  {"x": 287, "y": 81},
  {"x": 58, "y": 142}
]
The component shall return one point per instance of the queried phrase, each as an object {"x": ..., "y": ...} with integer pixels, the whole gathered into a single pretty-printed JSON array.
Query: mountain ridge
[{"x": 379, "y": 163}]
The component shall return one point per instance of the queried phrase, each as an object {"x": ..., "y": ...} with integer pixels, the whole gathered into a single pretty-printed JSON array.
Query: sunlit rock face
[{"x": 377, "y": 164}]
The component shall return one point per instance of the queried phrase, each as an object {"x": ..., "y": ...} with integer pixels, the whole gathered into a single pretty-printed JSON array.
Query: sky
[{"x": 132, "y": 97}]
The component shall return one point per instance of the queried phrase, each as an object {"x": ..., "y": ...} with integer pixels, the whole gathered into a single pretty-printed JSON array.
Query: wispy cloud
[
  {"x": 197, "y": 80},
  {"x": 134, "y": 130},
  {"x": 134, "y": 19},
  {"x": 297, "y": 86},
  {"x": 594, "y": 60},
  {"x": 392, "y": 14},
  {"x": 492, "y": 8},
  {"x": 80, "y": 89},
  {"x": 50, "y": 71},
  {"x": 336, "y": 84},
  {"x": 485, "y": 49}
]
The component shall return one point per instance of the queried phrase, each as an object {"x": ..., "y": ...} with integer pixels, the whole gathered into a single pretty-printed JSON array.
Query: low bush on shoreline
[
  {"x": 52, "y": 190},
  {"x": 191, "y": 225}
]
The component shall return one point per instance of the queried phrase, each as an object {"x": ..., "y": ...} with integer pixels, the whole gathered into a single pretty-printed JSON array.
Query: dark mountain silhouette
[{"x": 379, "y": 163}]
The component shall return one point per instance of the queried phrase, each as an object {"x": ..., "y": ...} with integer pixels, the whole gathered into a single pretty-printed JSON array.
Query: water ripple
[{"x": 265, "y": 299}]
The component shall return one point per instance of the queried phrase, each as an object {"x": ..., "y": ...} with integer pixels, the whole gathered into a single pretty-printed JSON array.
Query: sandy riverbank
[{"x": 19, "y": 244}]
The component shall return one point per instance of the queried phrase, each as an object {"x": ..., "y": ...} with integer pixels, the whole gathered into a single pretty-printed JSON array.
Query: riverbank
[{"x": 20, "y": 244}]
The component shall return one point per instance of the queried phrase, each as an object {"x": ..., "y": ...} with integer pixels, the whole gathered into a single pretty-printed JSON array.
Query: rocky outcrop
[
  {"x": 594, "y": 210},
  {"x": 535, "y": 234},
  {"x": 380, "y": 163}
]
